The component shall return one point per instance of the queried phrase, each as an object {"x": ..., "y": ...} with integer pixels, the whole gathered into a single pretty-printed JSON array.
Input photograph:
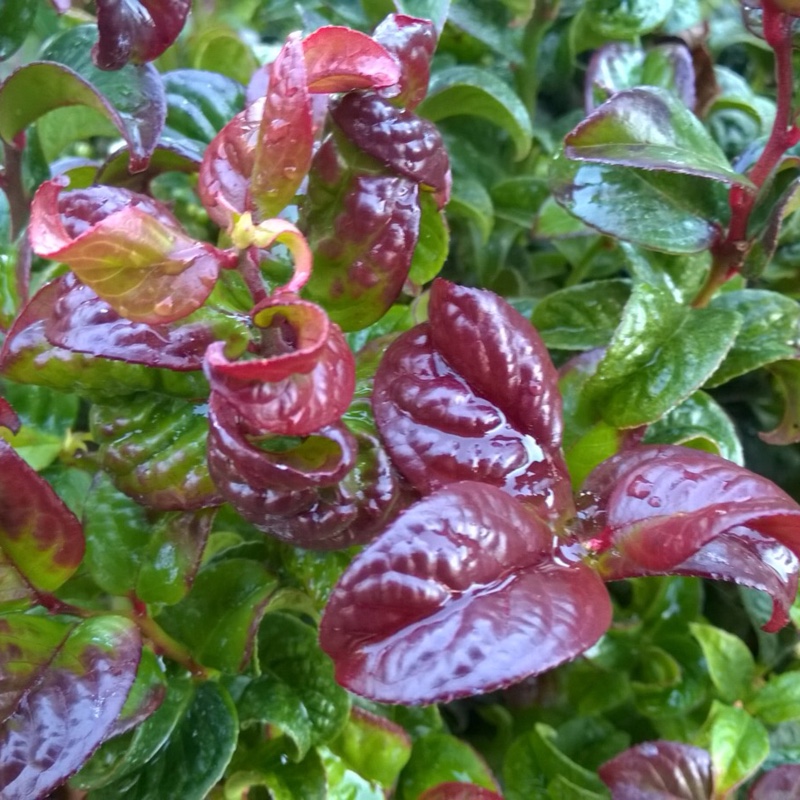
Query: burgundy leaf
[
  {"x": 660, "y": 771},
  {"x": 400, "y": 140},
  {"x": 84, "y": 323},
  {"x": 302, "y": 379},
  {"x": 459, "y": 791},
  {"x": 136, "y": 30},
  {"x": 339, "y": 59},
  {"x": 673, "y": 510},
  {"x": 412, "y": 42},
  {"x": 285, "y": 137},
  {"x": 71, "y": 710},
  {"x": 472, "y": 395},
  {"x": 462, "y": 594},
  {"x": 8, "y": 417},
  {"x": 781, "y": 783},
  {"x": 128, "y": 248}
]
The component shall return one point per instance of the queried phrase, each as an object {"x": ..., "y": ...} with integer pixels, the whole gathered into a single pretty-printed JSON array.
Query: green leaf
[
  {"x": 560, "y": 788},
  {"x": 16, "y": 21},
  {"x": 730, "y": 663},
  {"x": 519, "y": 199},
  {"x": 471, "y": 201},
  {"x": 220, "y": 49},
  {"x": 768, "y": 333},
  {"x": 659, "y": 210},
  {"x": 284, "y": 781},
  {"x": 556, "y": 222},
  {"x": 698, "y": 422},
  {"x": 652, "y": 129},
  {"x": 581, "y": 317},
  {"x": 374, "y": 747},
  {"x": 219, "y": 617},
  {"x": 193, "y": 758},
  {"x": 597, "y": 444},
  {"x": 778, "y": 701},
  {"x": 661, "y": 353},
  {"x": 624, "y": 19},
  {"x": 477, "y": 92},
  {"x": 442, "y": 758},
  {"x": 288, "y": 650},
  {"x": 787, "y": 381},
  {"x": 344, "y": 783},
  {"x": 738, "y": 745},
  {"x": 433, "y": 243}
]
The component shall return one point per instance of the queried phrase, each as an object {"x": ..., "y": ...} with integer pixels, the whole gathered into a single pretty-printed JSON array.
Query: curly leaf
[
  {"x": 660, "y": 771},
  {"x": 674, "y": 510},
  {"x": 446, "y": 602},
  {"x": 71, "y": 708},
  {"x": 127, "y": 248},
  {"x": 136, "y": 30},
  {"x": 472, "y": 395}
]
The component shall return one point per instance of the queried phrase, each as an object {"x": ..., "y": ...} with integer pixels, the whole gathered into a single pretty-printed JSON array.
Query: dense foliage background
[{"x": 225, "y": 370}]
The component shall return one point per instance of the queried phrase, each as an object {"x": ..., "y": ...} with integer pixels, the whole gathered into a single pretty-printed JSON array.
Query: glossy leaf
[
  {"x": 660, "y": 354},
  {"x": 137, "y": 31},
  {"x": 363, "y": 230},
  {"x": 730, "y": 662},
  {"x": 673, "y": 510},
  {"x": 132, "y": 99},
  {"x": 472, "y": 395},
  {"x": 623, "y": 19},
  {"x": 307, "y": 779},
  {"x": 127, "y": 248},
  {"x": 738, "y": 745},
  {"x": 787, "y": 379},
  {"x": 344, "y": 782},
  {"x": 651, "y": 129},
  {"x": 72, "y": 707},
  {"x": 660, "y": 771},
  {"x": 16, "y": 20},
  {"x": 412, "y": 42},
  {"x": 660, "y": 210},
  {"x": 433, "y": 244},
  {"x": 445, "y": 603},
  {"x": 781, "y": 783},
  {"x": 303, "y": 381},
  {"x": 480, "y": 93},
  {"x": 778, "y": 700},
  {"x": 154, "y": 449},
  {"x": 434, "y": 10}
]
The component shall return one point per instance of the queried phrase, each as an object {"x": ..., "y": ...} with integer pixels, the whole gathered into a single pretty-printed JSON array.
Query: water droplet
[
  {"x": 640, "y": 488},
  {"x": 654, "y": 502}
]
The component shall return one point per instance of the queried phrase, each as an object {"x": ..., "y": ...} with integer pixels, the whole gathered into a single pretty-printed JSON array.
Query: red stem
[
  {"x": 251, "y": 272},
  {"x": 12, "y": 186}
]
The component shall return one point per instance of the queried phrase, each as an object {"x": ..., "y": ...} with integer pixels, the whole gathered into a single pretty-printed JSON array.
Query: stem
[
  {"x": 729, "y": 253},
  {"x": 251, "y": 272},
  {"x": 12, "y": 186}
]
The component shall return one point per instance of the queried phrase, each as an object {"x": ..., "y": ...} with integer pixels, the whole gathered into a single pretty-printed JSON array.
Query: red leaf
[
  {"x": 459, "y": 791},
  {"x": 673, "y": 510},
  {"x": 412, "y": 42},
  {"x": 8, "y": 417},
  {"x": 660, "y": 771},
  {"x": 339, "y": 59},
  {"x": 403, "y": 142},
  {"x": 136, "y": 30},
  {"x": 126, "y": 247},
  {"x": 303, "y": 380},
  {"x": 781, "y": 783},
  {"x": 285, "y": 137},
  {"x": 472, "y": 395},
  {"x": 462, "y": 594}
]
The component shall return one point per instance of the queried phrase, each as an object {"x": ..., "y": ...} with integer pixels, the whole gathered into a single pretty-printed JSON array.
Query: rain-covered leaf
[
  {"x": 71, "y": 707},
  {"x": 434, "y": 10},
  {"x": 471, "y": 395},
  {"x": 445, "y": 603},
  {"x": 624, "y": 19},
  {"x": 136, "y": 30},
  {"x": 16, "y": 20}
]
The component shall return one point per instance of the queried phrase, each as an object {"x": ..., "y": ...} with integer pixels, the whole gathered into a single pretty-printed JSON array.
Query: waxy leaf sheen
[
  {"x": 128, "y": 248},
  {"x": 464, "y": 593},
  {"x": 673, "y": 510},
  {"x": 781, "y": 783},
  {"x": 472, "y": 395}
]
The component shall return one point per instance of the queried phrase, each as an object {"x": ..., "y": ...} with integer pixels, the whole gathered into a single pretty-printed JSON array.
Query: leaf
[
  {"x": 778, "y": 701},
  {"x": 441, "y": 758},
  {"x": 434, "y": 10},
  {"x": 660, "y": 210},
  {"x": 672, "y": 510},
  {"x": 285, "y": 781},
  {"x": 374, "y": 747},
  {"x": 477, "y": 92},
  {"x": 457, "y": 790},
  {"x": 126, "y": 247},
  {"x": 71, "y": 709},
  {"x": 738, "y": 744},
  {"x": 781, "y": 783},
  {"x": 132, "y": 98},
  {"x": 472, "y": 395},
  {"x": 660, "y": 771},
  {"x": 469, "y": 199},
  {"x": 16, "y": 20},
  {"x": 581, "y": 317},
  {"x": 433, "y": 244},
  {"x": 624, "y": 19},
  {"x": 445, "y": 603},
  {"x": 768, "y": 333},
  {"x": 787, "y": 380},
  {"x": 730, "y": 662},
  {"x": 219, "y": 617},
  {"x": 155, "y": 451},
  {"x": 137, "y": 31},
  {"x": 343, "y": 783},
  {"x": 41, "y": 540},
  {"x": 288, "y": 650},
  {"x": 660, "y": 354},
  {"x": 698, "y": 422}
]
